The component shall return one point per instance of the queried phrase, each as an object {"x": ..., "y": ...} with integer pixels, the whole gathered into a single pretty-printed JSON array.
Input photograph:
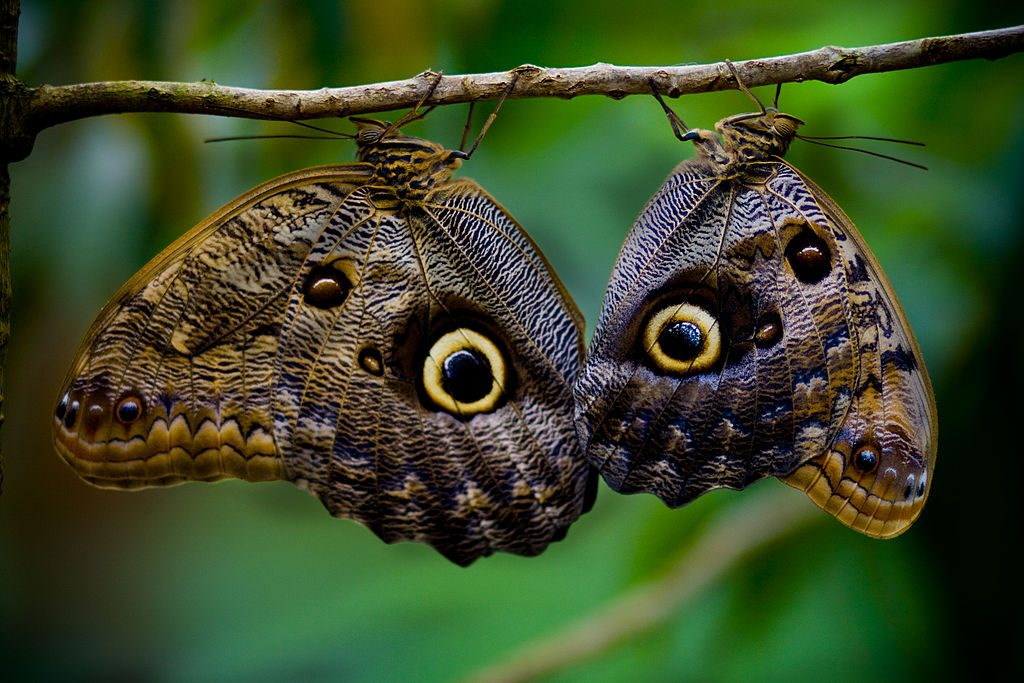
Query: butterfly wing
[
  {"x": 733, "y": 344},
  {"x": 286, "y": 338},
  {"x": 876, "y": 475},
  {"x": 174, "y": 380},
  {"x": 707, "y": 251},
  {"x": 469, "y": 467}
]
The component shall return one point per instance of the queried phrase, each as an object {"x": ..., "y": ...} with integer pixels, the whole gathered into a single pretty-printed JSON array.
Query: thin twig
[
  {"x": 761, "y": 519},
  {"x": 50, "y": 105}
]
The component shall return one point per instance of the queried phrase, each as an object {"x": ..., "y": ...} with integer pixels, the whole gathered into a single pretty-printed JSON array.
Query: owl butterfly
[
  {"x": 746, "y": 332},
  {"x": 377, "y": 333}
]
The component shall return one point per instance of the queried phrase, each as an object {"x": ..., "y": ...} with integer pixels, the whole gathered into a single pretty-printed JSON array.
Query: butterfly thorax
[
  {"x": 745, "y": 139},
  {"x": 406, "y": 166}
]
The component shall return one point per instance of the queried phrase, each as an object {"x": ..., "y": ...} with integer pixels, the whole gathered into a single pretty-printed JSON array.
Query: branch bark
[{"x": 50, "y": 105}]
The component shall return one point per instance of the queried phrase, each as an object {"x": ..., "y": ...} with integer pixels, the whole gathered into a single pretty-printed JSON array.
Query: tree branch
[
  {"x": 50, "y": 105},
  {"x": 735, "y": 534}
]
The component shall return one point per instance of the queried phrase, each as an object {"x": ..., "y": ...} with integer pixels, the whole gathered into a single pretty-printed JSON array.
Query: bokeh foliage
[{"x": 250, "y": 582}]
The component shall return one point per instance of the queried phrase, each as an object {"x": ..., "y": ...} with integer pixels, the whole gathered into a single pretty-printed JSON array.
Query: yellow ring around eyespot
[
  {"x": 711, "y": 344},
  {"x": 457, "y": 340}
]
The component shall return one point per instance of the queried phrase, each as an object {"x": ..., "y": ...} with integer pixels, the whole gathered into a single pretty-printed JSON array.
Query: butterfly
[
  {"x": 748, "y": 332},
  {"x": 378, "y": 333}
]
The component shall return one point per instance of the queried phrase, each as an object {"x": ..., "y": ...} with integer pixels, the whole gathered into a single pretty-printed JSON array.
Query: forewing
[{"x": 175, "y": 378}]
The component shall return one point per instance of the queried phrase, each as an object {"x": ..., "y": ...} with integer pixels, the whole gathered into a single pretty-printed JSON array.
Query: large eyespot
[
  {"x": 809, "y": 256},
  {"x": 683, "y": 338},
  {"x": 129, "y": 409},
  {"x": 464, "y": 373},
  {"x": 866, "y": 459},
  {"x": 328, "y": 285}
]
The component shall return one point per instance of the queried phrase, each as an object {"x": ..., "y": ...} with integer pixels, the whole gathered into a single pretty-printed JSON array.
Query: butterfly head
[
  {"x": 408, "y": 165},
  {"x": 744, "y": 139},
  {"x": 758, "y": 136}
]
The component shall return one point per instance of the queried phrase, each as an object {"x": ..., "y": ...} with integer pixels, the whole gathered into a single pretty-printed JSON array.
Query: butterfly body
[
  {"x": 378, "y": 333},
  {"x": 748, "y": 332}
]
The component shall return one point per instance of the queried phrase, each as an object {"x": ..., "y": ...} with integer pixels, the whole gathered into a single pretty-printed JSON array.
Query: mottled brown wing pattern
[
  {"x": 747, "y": 332},
  {"x": 876, "y": 475},
  {"x": 404, "y": 468},
  {"x": 750, "y": 414},
  {"x": 174, "y": 380},
  {"x": 376, "y": 333}
]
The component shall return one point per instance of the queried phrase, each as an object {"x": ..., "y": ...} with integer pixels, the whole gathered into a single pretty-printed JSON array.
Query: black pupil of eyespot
[
  {"x": 128, "y": 411},
  {"x": 71, "y": 415},
  {"x": 62, "y": 407},
  {"x": 865, "y": 460},
  {"x": 466, "y": 375},
  {"x": 326, "y": 287},
  {"x": 920, "y": 489},
  {"x": 681, "y": 340}
]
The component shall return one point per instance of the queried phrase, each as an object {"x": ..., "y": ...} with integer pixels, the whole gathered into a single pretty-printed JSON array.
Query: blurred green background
[{"x": 257, "y": 582}]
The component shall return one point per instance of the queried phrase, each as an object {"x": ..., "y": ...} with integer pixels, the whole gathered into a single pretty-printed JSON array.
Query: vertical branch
[
  {"x": 10, "y": 130},
  {"x": 5, "y": 287}
]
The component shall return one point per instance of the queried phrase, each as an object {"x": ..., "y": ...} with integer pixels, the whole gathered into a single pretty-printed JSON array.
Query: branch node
[
  {"x": 158, "y": 96},
  {"x": 18, "y": 136},
  {"x": 527, "y": 72}
]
